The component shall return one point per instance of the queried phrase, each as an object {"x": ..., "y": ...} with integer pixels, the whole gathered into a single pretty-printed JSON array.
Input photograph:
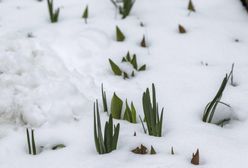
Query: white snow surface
[{"x": 49, "y": 81}]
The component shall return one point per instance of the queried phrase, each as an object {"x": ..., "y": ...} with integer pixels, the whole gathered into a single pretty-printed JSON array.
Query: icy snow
[{"x": 49, "y": 81}]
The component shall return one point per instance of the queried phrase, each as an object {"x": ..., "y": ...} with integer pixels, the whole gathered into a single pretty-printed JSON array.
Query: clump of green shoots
[
  {"x": 124, "y": 6},
  {"x": 119, "y": 35},
  {"x": 140, "y": 150},
  {"x": 31, "y": 142},
  {"x": 132, "y": 61},
  {"x": 54, "y": 15},
  {"x": 108, "y": 142},
  {"x": 85, "y": 14},
  {"x": 153, "y": 121},
  {"x": 116, "y": 108},
  {"x": 211, "y": 106}
]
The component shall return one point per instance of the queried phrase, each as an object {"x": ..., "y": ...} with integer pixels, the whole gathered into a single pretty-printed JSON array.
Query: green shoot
[
  {"x": 115, "y": 68},
  {"x": 54, "y": 15},
  {"x": 116, "y": 107},
  {"x": 154, "y": 122},
  {"x": 85, "y": 14},
  {"x": 119, "y": 35},
  {"x": 108, "y": 142},
  {"x": 104, "y": 100}
]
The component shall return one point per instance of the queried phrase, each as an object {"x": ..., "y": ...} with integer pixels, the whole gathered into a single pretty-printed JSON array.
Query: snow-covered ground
[{"x": 50, "y": 80}]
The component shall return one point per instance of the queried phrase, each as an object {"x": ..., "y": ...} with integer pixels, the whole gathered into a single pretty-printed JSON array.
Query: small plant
[
  {"x": 116, "y": 107},
  {"x": 115, "y": 68},
  {"x": 58, "y": 146},
  {"x": 143, "y": 42},
  {"x": 211, "y": 106},
  {"x": 172, "y": 151},
  {"x": 54, "y": 15},
  {"x": 31, "y": 143},
  {"x": 153, "y": 121},
  {"x": 119, "y": 35},
  {"x": 130, "y": 113},
  {"x": 85, "y": 14},
  {"x": 152, "y": 151},
  {"x": 108, "y": 142},
  {"x": 104, "y": 100},
  {"x": 133, "y": 62},
  {"x": 195, "y": 158},
  {"x": 125, "y": 75},
  {"x": 124, "y": 6},
  {"x": 181, "y": 29},
  {"x": 191, "y": 6},
  {"x": 234, "y": 84},
  {"x": 140, "y": 150}
]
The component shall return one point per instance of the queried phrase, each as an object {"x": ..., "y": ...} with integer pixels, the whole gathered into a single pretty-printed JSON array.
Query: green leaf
[
  {"x": 33, "y": 142},
  {"x": 143, "y": 42},
  {"x": 128, "y": 58},
  {"x": 133, "y": 112},
  {"x": 28, "y": 140},
  {"x": 134, "y": 62},
  {"x": 132, "y": 74},
  {"x": 116, "y": 107},
  {"x": 104, "y": 100},
  {"x": 125, "y": 75},
  {"x": 152, "y": 152},
  {"x": 191, "y": 6},
  {"x": 115, "y": 68},
  {"x": 119, "y": 35},
  {"x": 142, "y": 68},
  {"x": 85, "y": 14}
]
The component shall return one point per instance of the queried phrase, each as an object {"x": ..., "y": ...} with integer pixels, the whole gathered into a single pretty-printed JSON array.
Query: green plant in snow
[
  {"x": 104, "y": 100},
  {"x": 108, "y": 142},
  {"x": 124, "y": 6},
  {"x": 116, "y": 106},
  {"x": 115, "y": 68},
  {"x": 119, "y": 35},
  {"x": 143, "y": 42},
  {"x": 134, "y": 62},
  {"x": 125, "y": 75},
  {"x": 85, "y": 14},
  {"x": 191, "y": 6},
  {"x": 181, "y": 29},
  {"x": 154, "y": 122},
  {"x": 130, "y": 113},
  {"x": 211, "y": 106},
  {"x": 54, "y": 15},
  {"x": 142, "y": 68},
  {"x": 152, "y": 151},
  {"x": 31, "y": 142}
]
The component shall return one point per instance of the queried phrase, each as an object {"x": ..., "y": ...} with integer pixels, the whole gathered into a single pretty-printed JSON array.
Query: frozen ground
[{"x": 49, "y": 81}]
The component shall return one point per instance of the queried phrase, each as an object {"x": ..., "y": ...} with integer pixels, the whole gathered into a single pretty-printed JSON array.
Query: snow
[{"x": 50, "y": 80}]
